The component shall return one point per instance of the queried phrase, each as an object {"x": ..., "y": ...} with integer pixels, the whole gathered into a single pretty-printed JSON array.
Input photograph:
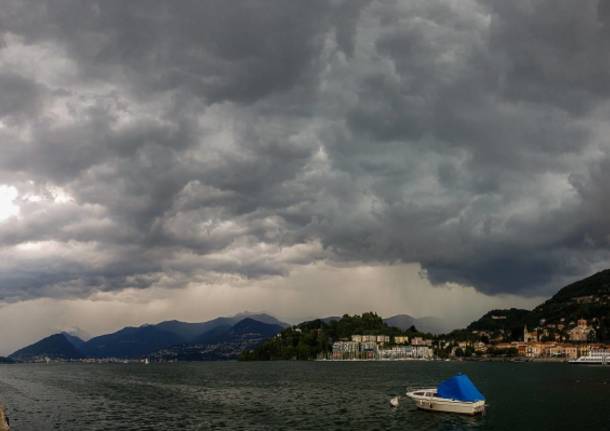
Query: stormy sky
[{"x": 165, "y": 159}]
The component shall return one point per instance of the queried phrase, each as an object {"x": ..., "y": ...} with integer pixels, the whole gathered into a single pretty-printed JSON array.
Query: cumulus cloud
[{"x": 163, "y": 143}]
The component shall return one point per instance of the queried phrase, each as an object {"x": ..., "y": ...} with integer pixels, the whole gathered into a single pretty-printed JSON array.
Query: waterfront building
[
  {"x": 345, "y": 346},
  {"x": 422, "y": 352},
  {"x": 570, "y": 352},
  {"x": 383, "y": 339},
  {"x": 419, "y": 341},
  {"x": 520, "y": 346},
  {"x": 367, "y": 346},
  {"x": 401, "y": 339},
  {"x": 584, "y": 350},
  {"x": 534, "y": 350},
  {"x": 397, "y": 352},
  {"x": 357, "y": 338},
  {"x": 345, "y": 350},
  {"x": 369, "y": 339}
]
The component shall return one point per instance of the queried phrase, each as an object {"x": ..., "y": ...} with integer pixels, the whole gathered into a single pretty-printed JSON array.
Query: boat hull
[{"x": 438, "y": 404}]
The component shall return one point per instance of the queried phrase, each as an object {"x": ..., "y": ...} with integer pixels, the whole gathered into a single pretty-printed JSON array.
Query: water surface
[{"x": 297, "y": 396}]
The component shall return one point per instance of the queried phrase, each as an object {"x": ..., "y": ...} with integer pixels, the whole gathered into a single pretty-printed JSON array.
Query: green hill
[
  {"x": 596, "y": 285},
  {"x": 308, "y": 339},
  {"x": 584, "y": 299}
]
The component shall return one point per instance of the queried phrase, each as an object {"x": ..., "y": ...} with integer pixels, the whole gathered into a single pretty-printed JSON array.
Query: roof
[{"x": 459, "y": 388}]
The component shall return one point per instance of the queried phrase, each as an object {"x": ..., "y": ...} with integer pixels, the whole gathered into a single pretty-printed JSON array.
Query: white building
[
  {"x": 383, "y": 339},
  {"x": 401, "y": 339},
  {"x": 345, "y": 346}
]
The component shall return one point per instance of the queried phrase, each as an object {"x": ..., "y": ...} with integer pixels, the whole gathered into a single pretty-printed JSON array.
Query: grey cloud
[
  {"x": 217, "y": 50},
  {"x": 18, "y": 96},
  {"x": 553, "y": 51},
  {"x": 202, "y": 138}
]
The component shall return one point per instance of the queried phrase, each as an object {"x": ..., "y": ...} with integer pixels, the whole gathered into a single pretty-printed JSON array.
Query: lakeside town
[
  {"x": 561, "y": 341},
  {"x": 375, "y": 340}
]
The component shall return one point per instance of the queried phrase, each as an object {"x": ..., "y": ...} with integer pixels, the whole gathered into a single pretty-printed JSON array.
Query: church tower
[{"x": 529, "y": 336}]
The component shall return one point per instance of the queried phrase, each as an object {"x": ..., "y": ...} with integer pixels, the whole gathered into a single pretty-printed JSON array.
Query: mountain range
[
  {"x": 145, "y": 340},
  {"x": 219, "y": 338},
  {"x": 222, "y": 342}
]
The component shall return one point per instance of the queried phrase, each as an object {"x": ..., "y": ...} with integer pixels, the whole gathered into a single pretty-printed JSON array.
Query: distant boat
[
  {"x": 455, "y": 395},
  {"x": 595, "y": 357}
]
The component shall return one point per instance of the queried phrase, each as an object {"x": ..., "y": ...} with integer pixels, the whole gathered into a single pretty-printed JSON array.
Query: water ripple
[{"x": 293, "y": 396}]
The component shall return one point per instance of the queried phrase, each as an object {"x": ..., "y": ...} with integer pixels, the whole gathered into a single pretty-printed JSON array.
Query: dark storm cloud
[
  {"x": 166, "y": 142},
  {"x": 217, "y": 50},
  {"x": 18, "y": 96},
  {"x": 553, "y": 51}
]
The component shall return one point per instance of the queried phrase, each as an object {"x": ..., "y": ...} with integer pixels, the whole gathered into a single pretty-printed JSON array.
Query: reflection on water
[{"x": 296, "y": 396}]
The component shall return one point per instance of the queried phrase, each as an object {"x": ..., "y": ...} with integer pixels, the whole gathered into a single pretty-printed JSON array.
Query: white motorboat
[
  {"x": 455, "y": 395},
  {"x": 595, "y": 357}
]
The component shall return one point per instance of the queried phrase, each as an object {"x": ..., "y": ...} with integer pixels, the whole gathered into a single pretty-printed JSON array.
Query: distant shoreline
[
  {"x": 469, "y": 360},
  {"x": 519, "y": 360}
]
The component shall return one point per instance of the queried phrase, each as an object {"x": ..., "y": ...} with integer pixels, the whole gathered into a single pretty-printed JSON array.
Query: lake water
[{"x": 297, "y": 396}]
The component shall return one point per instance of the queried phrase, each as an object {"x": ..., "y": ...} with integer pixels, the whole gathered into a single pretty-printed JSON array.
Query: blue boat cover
[{"x": 459, "y": 388}]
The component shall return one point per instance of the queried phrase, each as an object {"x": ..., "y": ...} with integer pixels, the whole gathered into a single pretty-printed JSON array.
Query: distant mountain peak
[
  {"x": 261, "y": 317},
  {"x": 56, "y": 346},
  {"x": 77, "y": 332}
]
